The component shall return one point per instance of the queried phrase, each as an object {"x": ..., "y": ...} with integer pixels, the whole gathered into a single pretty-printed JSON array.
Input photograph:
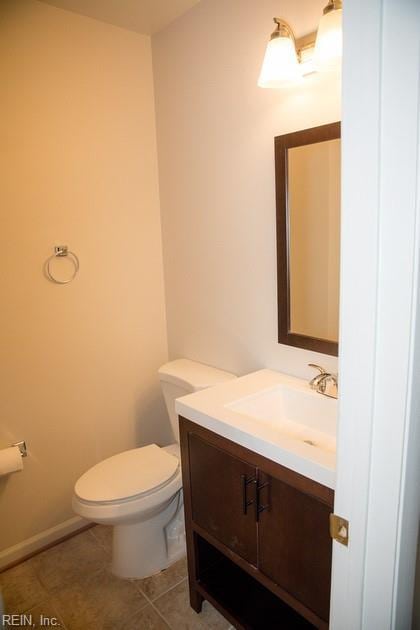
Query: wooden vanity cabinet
[
  {"x": 258, "y": 538},
  {"x": 295, "y": 546},
  {"x": 218, "y": 494}
]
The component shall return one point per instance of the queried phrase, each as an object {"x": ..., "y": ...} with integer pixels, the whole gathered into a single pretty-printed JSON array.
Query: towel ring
[{"x": 61, "y": 251}]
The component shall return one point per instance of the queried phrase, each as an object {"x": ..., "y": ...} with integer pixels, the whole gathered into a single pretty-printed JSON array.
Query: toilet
[{"x": 139, "y": 491}]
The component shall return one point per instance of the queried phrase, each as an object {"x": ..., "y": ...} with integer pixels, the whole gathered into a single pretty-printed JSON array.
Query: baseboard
[{"x": 30, "y": 546}]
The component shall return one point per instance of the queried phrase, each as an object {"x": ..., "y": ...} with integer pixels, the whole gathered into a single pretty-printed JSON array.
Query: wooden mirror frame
[{"x": 281, "y": 146}]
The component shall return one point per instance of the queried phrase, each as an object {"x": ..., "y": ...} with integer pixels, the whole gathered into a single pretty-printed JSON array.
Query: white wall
[
  {"x": 216, "y": 169},
  {"x": 78, "y": 162}
]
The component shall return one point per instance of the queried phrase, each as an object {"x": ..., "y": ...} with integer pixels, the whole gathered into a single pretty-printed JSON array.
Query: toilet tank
[{"x": 182, "y": 377}]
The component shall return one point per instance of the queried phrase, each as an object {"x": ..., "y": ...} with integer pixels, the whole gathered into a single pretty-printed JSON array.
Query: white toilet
[{"x": 139, "y": 491}]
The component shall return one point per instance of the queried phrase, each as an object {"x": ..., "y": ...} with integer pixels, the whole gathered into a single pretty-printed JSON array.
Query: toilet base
[{"x": 140, "y": 549}]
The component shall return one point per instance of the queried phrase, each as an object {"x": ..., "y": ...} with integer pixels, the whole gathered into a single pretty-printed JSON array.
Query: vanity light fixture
[
  {"x": 287, "y": 60},
  {"x": 280, "y": 65},
  {"x": 329, "y": 39}
]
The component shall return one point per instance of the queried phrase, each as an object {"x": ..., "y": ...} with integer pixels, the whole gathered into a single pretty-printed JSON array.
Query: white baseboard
[{"x": 27, "y": 547}]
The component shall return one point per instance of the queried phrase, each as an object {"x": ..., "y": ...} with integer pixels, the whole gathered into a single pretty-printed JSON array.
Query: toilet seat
[{"x": 127, "y": 476}]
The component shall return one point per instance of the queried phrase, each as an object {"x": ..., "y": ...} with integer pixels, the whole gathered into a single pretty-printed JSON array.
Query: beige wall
[
  {"x": 78, "y": 163},
  {"x": 216, "y": 169}
]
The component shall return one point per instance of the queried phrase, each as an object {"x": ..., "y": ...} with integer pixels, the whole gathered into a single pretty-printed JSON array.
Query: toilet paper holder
[{"x": 22, "y": 447}]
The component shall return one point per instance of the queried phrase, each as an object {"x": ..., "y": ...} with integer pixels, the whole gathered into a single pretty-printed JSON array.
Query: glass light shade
[
  {"x": 329, "y": 42},
  {"x": 280, "y": 65}
]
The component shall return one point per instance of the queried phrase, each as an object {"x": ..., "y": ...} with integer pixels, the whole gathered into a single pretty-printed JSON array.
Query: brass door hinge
[{"x": 339, "y": 529}]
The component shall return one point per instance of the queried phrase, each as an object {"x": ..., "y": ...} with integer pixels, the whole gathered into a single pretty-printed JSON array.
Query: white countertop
[{"x": 212, "y": 408}]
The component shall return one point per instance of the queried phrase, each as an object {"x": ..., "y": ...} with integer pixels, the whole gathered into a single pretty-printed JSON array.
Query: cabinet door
[
  {"x": 295, "y": 547},
  {"x": 222, "y": 494}
]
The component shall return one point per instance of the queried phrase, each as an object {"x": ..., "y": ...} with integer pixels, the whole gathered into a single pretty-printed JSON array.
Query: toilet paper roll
[{"x": 10, "y": 460}]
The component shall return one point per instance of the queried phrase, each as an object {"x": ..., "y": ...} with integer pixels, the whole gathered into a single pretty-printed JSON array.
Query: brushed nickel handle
[
  {"x": 318, "y": 367},
  {"x": 245, "y": 501},
  {"x": 260, "y": 508}
]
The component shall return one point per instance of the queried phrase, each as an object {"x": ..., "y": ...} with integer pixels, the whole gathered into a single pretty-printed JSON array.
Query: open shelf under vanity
[{"x": 239, "y": 597}]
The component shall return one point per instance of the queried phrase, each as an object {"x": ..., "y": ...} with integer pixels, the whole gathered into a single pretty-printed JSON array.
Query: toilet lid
[{"x": 127, "y": 474}]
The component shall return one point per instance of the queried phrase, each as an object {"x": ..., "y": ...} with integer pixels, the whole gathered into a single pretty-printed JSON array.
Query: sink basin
[
  {"x": 302, "y": 415},
  {"x": 273, "y": 414}
]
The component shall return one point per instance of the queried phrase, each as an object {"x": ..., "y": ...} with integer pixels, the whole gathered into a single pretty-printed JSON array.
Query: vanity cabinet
[
  {"x": 258, "y": 538},
  {"x": 219, "y": 489},
  {"x": 295, "y": 546}
]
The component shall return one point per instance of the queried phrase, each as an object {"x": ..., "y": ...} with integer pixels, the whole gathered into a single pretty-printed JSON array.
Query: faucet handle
[
  {"x": 324, "y": 382},
  {"x": 318, "y": 367}
]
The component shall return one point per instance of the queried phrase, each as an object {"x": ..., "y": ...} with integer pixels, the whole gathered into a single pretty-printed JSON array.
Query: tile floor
[{"x": 73, "y": 582}]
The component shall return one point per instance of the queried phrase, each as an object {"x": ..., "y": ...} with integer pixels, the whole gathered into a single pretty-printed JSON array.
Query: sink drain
[{"x": 309, "y": 442}]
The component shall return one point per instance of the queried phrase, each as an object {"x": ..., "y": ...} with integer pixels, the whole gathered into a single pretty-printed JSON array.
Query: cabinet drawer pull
[
  {"x": 260, "y": 508},
  {"x": 245, "y": 502}
]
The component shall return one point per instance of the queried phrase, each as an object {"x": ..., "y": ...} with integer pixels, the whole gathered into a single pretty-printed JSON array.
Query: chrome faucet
[{"x": 324, "y": 383}]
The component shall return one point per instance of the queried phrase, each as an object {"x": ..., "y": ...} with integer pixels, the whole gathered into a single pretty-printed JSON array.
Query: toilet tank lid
[{"x": 192, "y": 375}]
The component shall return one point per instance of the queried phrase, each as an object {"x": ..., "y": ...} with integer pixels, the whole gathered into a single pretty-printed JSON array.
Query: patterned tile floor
[{"x": 73, "y": 582}]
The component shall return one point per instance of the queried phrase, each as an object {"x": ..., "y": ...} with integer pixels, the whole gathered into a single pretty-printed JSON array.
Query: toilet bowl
[
  {"x": 139, "y": 491},
  {"x": 136, "y": 492}
]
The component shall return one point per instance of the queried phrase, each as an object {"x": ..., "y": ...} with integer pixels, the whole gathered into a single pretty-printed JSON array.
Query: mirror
[{"x": 308, "y": 183}]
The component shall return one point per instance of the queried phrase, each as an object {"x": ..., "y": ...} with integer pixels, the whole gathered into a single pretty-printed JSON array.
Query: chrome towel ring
[{"x": 61, "y": 251}]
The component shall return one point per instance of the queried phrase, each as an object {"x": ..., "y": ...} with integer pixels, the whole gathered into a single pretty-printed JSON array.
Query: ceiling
[{"x": 142, "y": 16}]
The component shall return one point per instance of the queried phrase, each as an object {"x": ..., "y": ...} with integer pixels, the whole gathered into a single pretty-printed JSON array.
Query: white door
[{"x": 378, "y": 469}]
